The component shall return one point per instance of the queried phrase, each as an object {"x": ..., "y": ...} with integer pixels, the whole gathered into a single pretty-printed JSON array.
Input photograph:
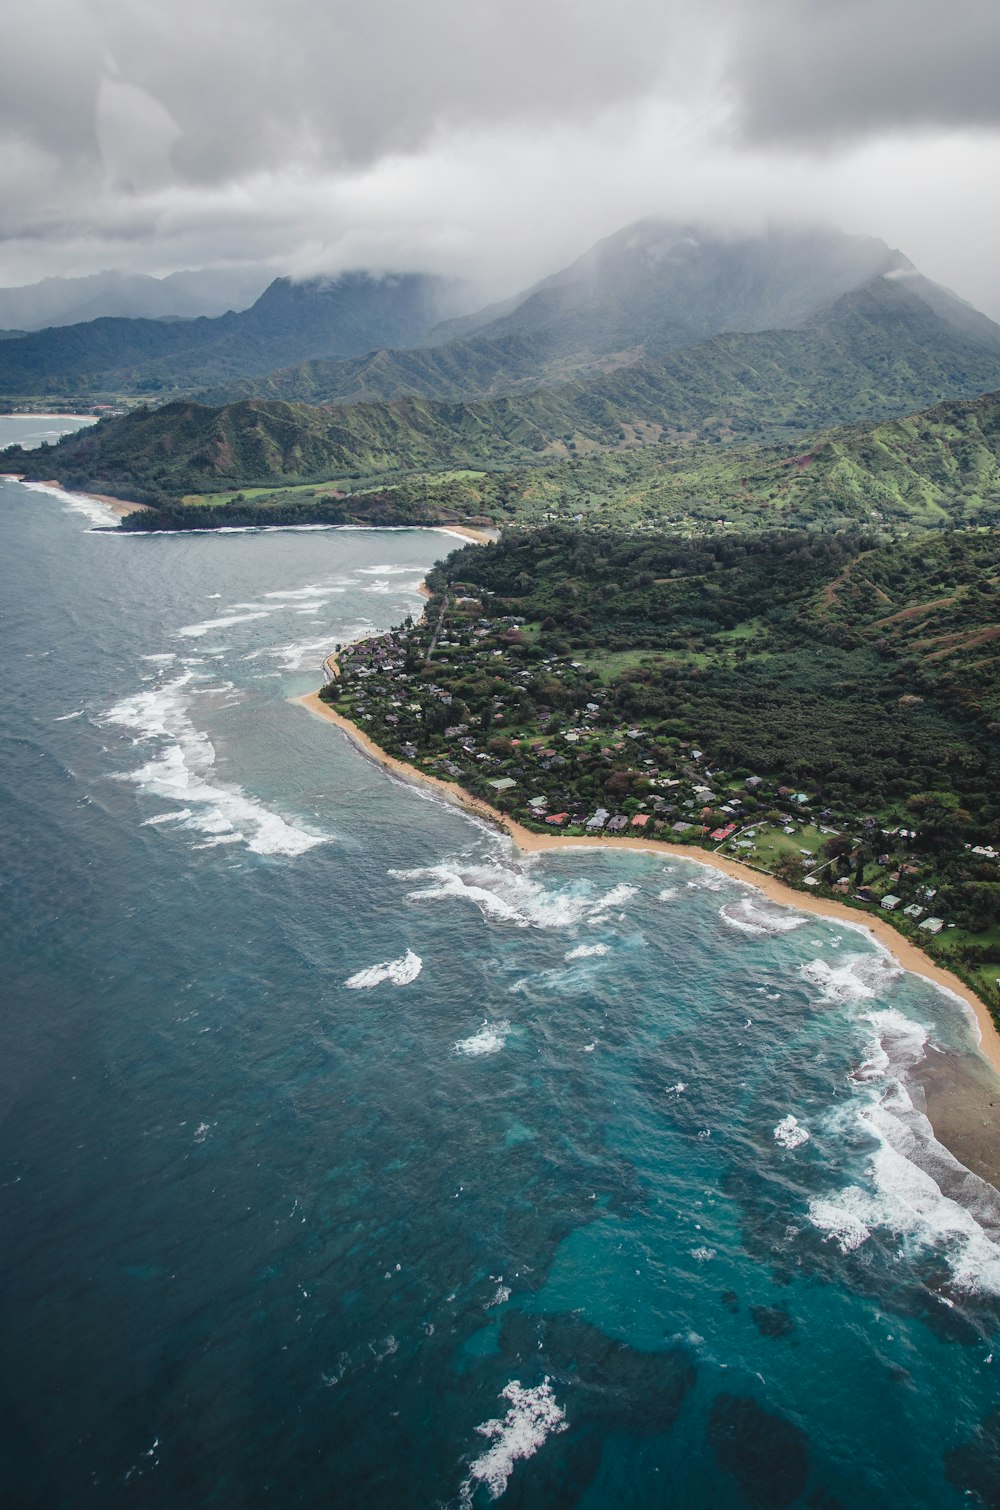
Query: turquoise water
[{"x": 350, "y": 1158}]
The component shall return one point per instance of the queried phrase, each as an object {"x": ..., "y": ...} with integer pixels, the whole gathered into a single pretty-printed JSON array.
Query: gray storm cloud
[
  {"x": 845, "y": 69},
  {"x": 495, "y": 137}
]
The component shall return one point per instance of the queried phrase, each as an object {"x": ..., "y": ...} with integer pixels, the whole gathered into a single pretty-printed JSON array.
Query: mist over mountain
[
  {"x": 183, "y": 296},
  {"x": 289, "y": 322},
  {"x": 642, "y": 295},
  {"x": 660, "y": 286}
]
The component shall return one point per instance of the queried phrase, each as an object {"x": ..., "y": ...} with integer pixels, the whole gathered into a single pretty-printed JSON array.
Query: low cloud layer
[{"x": 495, "y": 140}]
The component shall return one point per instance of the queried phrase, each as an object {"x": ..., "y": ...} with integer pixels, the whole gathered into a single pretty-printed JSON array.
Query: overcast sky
[{"x": 492, "y": 138}]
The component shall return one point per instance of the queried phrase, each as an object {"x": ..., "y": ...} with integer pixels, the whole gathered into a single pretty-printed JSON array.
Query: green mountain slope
[{"x": 877, "y": 354}]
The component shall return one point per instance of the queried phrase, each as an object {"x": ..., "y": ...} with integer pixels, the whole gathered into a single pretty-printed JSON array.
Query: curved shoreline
[
  {"x": 905, "y": 953},
  {"x": 119, "y": 506}
]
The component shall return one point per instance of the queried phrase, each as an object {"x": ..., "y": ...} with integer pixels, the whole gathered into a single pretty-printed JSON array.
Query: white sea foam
[
  {"x": 489, "y": 1040},
  {"x": 166, "y": 659},
  {"x": 533, "y": 1416},
  {"x": 505, "y": 895},
  {"x": 313, "y": 590},
  {"x": 77, "y": 503},
  {"x": 65, "y": 717},
  {"x": 587, "y": 951},
  {"x": 195, "y": 631},
  {"x": 294, "y": 656},
  {"x": 181, "y": 771},
  {"x": 790, "y": 1133},
  {"x": 400, "y": 972},
  {"x": 857, "y": 977},
  {"x": 913, "y": 1187},
  {"x": 753, "y": 916}
]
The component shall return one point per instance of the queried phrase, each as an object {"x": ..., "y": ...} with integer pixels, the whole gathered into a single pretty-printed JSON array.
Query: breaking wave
[
  {"x": 77, "y": 503},
  {"x": 911, "y": 1187},
  {"x": 858, "y": 977},
  {"x": 489, "y": 1040},
  {"x": 506, "y": 895},
  {"x": 754, "y": 916},
  {"x": 533, "y": 1416},
  {"x": 182, "y": 770},
  {"x": 400, "y": 972},
  {"x": 790, "y": 1133}
]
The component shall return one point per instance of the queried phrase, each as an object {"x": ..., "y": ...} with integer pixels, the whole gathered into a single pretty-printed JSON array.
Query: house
[
  {"x": 538, "y": 804},
  {"x": 723, "y": 833},
  {"x": 932, "y": 925},
  {"x": 618, "y": 825},
  {"x": 503, "y": 783},
  {"x": 914, "y": 910},
  {"x": 557, "y": 818},
  {"x": 640, "y": 820},
  {"x": 753, "y": 782},
  {"x": 598, "y": 820},
  {"x": 681, "y": 828},
  {"x": 810, "y": 880},
  {"x": 890, "y": 903}
]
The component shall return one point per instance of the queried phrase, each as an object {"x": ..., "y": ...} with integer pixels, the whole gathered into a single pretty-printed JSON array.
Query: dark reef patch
[{"x": 767, "y": 1455}]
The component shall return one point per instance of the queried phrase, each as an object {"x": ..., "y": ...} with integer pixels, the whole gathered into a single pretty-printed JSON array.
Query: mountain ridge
[{"x": 341, "y": 317}]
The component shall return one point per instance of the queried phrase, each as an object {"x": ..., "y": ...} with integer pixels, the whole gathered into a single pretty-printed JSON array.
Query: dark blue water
[{"x": 350, "y": 1159}]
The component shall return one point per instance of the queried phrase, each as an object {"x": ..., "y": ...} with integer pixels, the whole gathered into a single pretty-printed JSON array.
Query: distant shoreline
[
  {"x": 905, "y": 953},
  {"x": 119, "y": 506}
]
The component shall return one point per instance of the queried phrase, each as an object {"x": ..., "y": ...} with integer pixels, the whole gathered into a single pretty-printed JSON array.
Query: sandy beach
[
  {"x": 466, "y": 531},
  {"x": 119, "y": 506},
  {"x": 905, "y": 953}
]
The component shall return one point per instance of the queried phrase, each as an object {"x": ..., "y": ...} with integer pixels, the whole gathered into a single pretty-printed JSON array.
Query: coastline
[
  {"x": 466, "y": 531},
  {"x": 905, "y": 953},
  {"x": 119, "y": 506}
]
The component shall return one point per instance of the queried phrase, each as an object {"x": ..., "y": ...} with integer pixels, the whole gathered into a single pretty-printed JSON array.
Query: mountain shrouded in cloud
[
  {"x": 651, "y": 289},
  {"x": 659, "y": 334}
]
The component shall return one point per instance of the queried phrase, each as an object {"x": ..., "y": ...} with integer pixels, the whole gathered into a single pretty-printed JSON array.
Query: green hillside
[
  {"x": 877, "y": 352},
  {"x": 926, "y": 470}
]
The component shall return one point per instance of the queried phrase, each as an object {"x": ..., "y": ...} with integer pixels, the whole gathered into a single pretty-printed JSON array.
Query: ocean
[{"x": 351, "y": 1158}]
